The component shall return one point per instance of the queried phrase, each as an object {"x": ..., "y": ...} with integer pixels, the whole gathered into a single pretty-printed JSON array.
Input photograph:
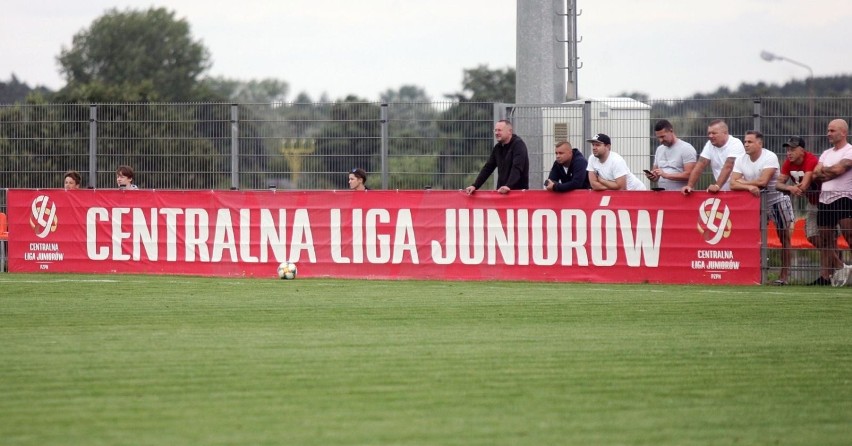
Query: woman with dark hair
[
  {"x": 72, "y": 180},
  {"x": 358, "y": 179}
]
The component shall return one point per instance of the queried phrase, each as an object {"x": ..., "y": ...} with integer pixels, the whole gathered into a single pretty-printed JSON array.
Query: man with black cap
[
  {"x": 608, "y": 170},
  {"x": 799, "y": 167}
]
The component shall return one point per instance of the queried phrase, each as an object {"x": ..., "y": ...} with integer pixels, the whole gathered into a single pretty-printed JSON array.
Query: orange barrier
[
  {"x": 4, "y": 227},
  {"x": 799, "y": 238}
]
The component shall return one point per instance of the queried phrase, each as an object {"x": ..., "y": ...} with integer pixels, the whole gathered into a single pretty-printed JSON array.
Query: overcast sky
[{"x": 664, "y": 48}]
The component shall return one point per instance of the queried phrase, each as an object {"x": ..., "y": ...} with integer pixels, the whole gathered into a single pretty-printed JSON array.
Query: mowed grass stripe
[{"x": 165, "y": 360}]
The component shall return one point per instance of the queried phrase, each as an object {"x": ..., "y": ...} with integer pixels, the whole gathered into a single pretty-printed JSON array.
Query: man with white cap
[{"x": 608, "y": 170}]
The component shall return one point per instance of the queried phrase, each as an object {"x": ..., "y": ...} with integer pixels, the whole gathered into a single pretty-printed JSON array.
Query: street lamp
[{"x": 770, "y": 57}]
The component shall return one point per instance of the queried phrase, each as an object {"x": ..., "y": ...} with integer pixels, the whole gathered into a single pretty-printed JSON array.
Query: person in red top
[{"x": 799, "y": 167}]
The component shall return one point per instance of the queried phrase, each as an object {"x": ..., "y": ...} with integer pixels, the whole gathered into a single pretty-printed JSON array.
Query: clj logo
[
  {"x": 714, "y": 223},
  {"x": 43, "y": 218}
]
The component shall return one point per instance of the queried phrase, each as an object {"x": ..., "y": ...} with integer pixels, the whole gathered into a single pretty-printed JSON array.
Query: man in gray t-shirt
[{"x": 673, "y": 160}]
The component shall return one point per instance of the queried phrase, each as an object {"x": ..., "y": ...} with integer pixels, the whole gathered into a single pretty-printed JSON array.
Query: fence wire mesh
[{"x": 440, "y": 145}]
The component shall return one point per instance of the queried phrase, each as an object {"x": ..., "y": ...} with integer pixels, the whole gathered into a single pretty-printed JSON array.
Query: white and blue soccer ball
[{"x": 287, "y": 271}]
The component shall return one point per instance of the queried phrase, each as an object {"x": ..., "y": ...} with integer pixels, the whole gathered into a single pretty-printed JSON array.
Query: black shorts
[{"x": 828, "y": 215}]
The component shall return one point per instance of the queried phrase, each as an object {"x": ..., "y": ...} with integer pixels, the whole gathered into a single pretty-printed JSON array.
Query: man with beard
[
  {"x": 673, "y": 160},
  {"x": 608, "y": 170}
]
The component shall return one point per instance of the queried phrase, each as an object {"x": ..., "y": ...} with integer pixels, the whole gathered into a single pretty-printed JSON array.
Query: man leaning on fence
[
  {"x": 798, "y": 170},
  {"x": 719, "y": 152},
  {"x": 757, "y": 172},
  {"x": 835, "y": 203},
  {"x": 569, "y": 170},
  {"x": 509, "y": 156},
  {"x": 673, "y": 160},
  {"x": 607, "y": 170}
]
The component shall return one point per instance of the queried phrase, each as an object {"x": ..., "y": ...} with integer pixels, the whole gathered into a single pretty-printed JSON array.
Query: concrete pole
[{"x": 542, "y": 32}]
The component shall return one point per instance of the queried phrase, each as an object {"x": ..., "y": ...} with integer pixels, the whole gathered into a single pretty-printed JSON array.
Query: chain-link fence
[
  {"x": 311, "y": 146},
  {"x": 249, "y": 146},
  {"x": 441, "y": 145}
]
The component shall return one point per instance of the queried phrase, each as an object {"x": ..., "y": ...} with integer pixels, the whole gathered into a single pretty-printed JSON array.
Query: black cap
[
  {"x": 601, "y": 138},
  {"x": 794, "y": 142}
]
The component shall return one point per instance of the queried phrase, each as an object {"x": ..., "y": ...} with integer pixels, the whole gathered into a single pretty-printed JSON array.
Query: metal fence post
[
  {"x": 383, "y": 120},
  {"x": 235, "y": 147},
  {"x": 764, "y": 253},
  {"x": 587, "y": 127},
  {"x": 756, "y": 114},
  {"x": 93, "y": 146},
  {"x": 500, "y": 111}
]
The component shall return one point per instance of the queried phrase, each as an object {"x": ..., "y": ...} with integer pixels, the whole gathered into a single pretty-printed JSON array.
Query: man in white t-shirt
[
  {"x": 673, "y": 160},
  {"x": 757, "y": 172},
  {"x": 608, "y": 170},
  {"x": 835, "y": 203},
  {"x": 719, "y": 152}
]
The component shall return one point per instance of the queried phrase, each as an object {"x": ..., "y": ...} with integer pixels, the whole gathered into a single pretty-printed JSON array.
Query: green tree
[
  {"x": 39, "y": 141},
  {"x": 482, "y": 84},
  {"x": 149, "y": 52},
  {"x": 263, "y": 127},
  {"x": 466, "y": 126},
  {"x": 466, "y": 130},
  {"x": 414, "y": 138},
  {"x": 278, "y": 144},
  {"x": 16, "y": 91},
  {"x": 406, "y": 93},
  {"x": 350, "y": 138},
  {"x": 253, "y": 91}
]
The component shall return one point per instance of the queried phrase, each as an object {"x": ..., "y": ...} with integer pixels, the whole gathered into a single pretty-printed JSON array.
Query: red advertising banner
[{"x": 626, "y": 237}]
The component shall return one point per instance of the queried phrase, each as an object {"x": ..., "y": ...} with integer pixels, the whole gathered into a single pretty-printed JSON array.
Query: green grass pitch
[{"x": 166, "y": 360}]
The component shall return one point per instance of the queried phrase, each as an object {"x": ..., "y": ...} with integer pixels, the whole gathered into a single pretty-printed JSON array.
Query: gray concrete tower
[{"x": 545, "y": 39}]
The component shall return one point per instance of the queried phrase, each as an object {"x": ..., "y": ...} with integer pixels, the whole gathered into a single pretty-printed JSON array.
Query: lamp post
[{"x": 770, "y": 57}]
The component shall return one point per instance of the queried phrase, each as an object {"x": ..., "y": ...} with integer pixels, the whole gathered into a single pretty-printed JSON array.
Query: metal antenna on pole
[{"x": 570, "y": 40}]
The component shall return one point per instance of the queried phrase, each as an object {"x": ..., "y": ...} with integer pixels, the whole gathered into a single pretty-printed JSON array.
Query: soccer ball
[{"x": 287, "y": 271}]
